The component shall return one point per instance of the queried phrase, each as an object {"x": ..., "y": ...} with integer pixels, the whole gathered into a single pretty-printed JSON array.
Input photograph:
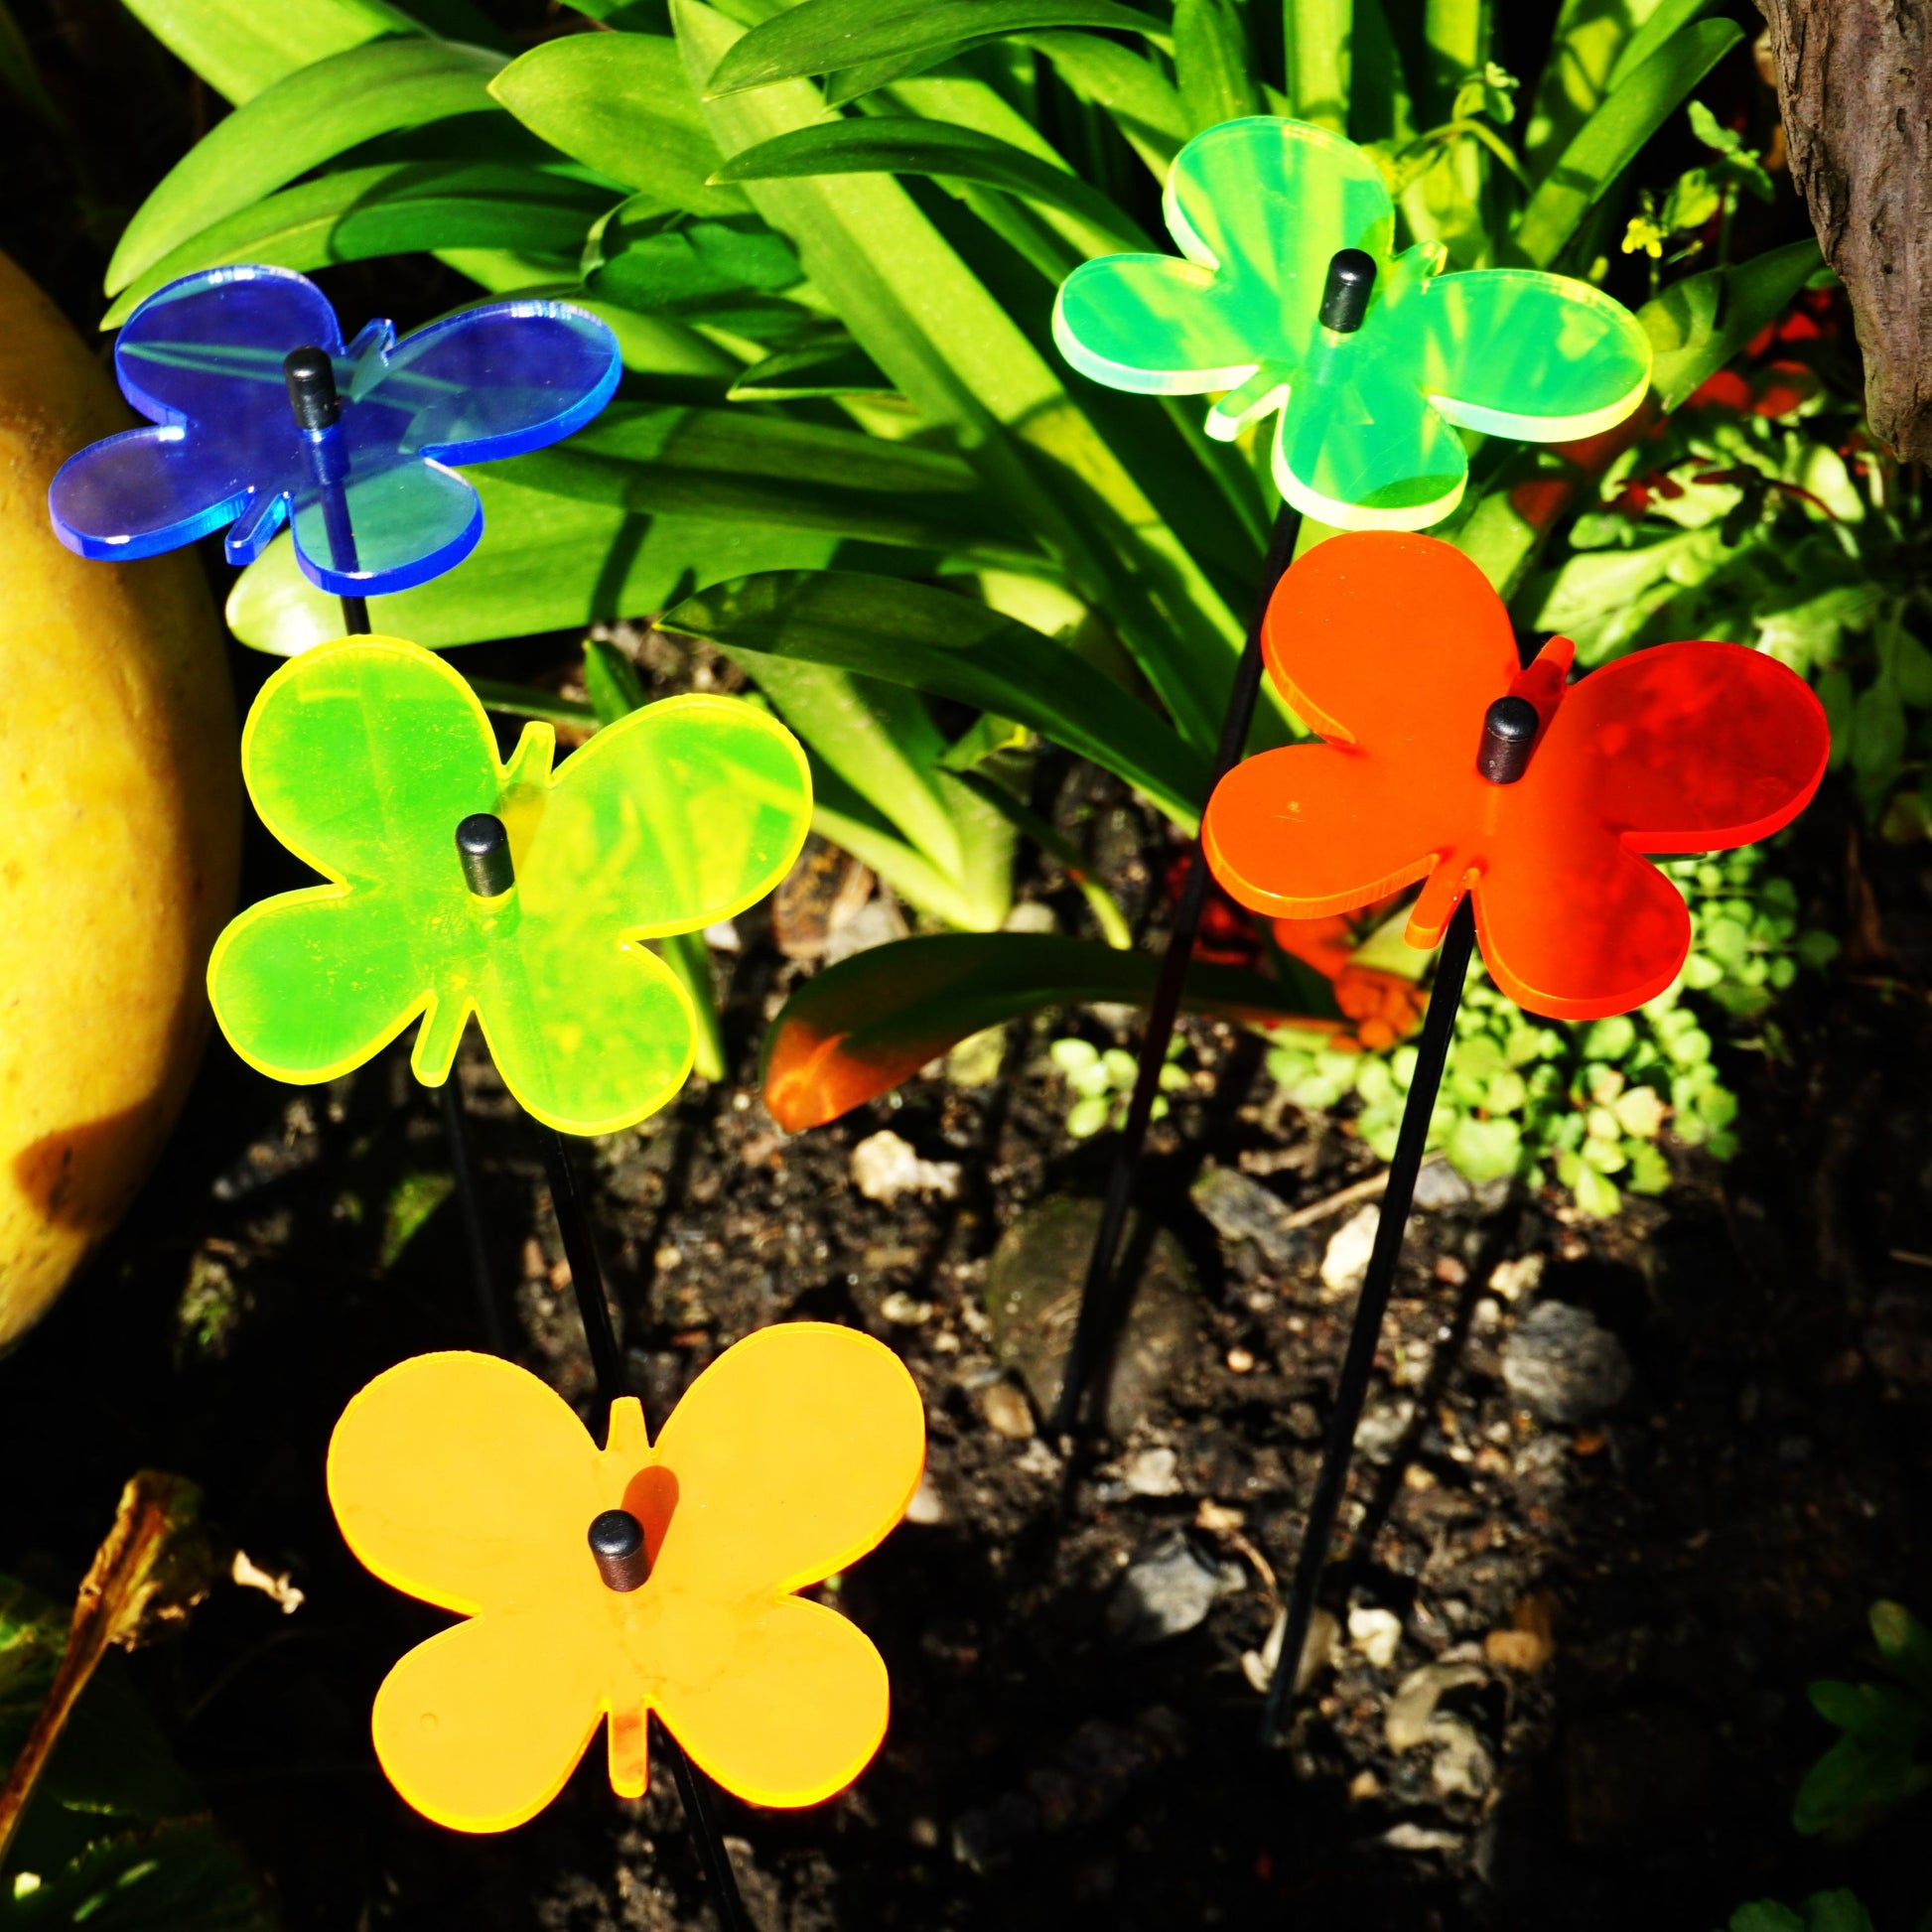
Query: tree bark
[{"x": 1855, "y": 80}]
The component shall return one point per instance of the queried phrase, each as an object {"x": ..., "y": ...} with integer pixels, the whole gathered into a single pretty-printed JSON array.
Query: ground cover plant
[{"x": 848, "y": 475}]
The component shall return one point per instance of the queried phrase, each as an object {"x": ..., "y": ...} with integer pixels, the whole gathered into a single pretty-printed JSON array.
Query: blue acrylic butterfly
[{"x": 203, "y": 361}]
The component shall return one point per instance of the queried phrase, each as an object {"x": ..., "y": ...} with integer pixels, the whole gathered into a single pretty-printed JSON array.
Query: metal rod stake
[{"x": 1352, "y": 1389}]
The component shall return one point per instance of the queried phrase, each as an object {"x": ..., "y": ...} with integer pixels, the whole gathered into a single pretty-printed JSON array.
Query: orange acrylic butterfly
[
  {"x": 1393, "y": 647},
  {"x": 463, "y": 1480}
]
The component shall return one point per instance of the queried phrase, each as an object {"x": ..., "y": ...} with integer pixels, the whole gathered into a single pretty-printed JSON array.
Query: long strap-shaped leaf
[
  {"x": 1609, "y": 140},
  {"x": 823, "y": 35},
  {"x": 388, "y": 210},
  {"x": 902, "y": 144},
  {"x": 857, "y": 1029},
  {"x": 952, "y": 647},
  {"x": 965, "y": 363},
  {"x": 300, "y": 122}
]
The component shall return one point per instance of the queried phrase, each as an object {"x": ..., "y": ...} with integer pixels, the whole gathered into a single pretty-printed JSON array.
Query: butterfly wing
[
  {"x": 462, "y": 1480},
  {"x": 1362, "y": 448},
  {"x": 1683, "y": 748},
  {"x": 675, "y": 817},
  {"x": 1257, "y": 207},
  {"x": 362, "y": 757},
  {"x": 493, "y": 381},
  {"x": 1513, "y": 352},
  {"x": 791, "y": 1456},
  {"x": 1391, "y": 646},
  {"x": 203, "y": 359}
]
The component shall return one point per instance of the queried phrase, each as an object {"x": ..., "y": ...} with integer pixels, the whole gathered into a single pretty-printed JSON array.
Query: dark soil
[{"x": 1691, "y": 1560}]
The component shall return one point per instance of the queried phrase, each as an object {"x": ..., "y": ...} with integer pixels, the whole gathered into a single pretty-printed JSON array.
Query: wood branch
[{"x": 1855, "y": 80}]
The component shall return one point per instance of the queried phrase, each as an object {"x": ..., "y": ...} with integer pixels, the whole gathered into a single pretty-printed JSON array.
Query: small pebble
[
  {"x": 1377, "y": 1635},
  {"x": 926, "y": 1506},
  {"x": 1153, "y": 1472},
  {"x": 884, "y": 1167},
  {"x": 1006, "y": 1411},
  {"x": 1349, "y": 1247}
]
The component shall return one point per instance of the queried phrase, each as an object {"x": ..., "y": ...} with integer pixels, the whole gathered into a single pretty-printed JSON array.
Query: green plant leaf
[
  {"x": 1319, "y": 44},
  {"x": 1107, "y": 914},
  {"x": 1766, "y": 1916},
  {"x": 1835, "y": 1911},
  {"x": 907, "y": 145},
  {"x": 736, "y": 465},
  {"x": 1697, "y": 325},
  {"x": 859, "y": 1027},
  {"x": 822, "y": 35},
  {"x": 1591, "y": 51},
  {"x": 731, "y": 274},
  {"x": 952, "y": 647},
  {"x": 880, "y": 739},
  {"x": 308, "y": 117},
  {"x": 838, "y": 368},
  {"x": 1214, "y": 64},
  {"x": 20, "y": 74},
  {"x": 966, "y": 365},
  {"x": 1137, "y": 96},
  {"x": 545, "y": 562},
  {"x": 1905, "y": 1644},
  {"x": 622, "y": 103},
  {"x": 241, "y": 46},
  {"x": 1609, "y": 140},
  {"x": 387, "y": 211}
]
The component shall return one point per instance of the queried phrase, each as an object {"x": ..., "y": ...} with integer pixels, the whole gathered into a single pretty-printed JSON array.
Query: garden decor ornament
[
  {"x": 260, "y": 415},
  {"x": 610, "y": 1583},
  {"x": 457, "y": 883},
  {"x": 1524, "y": 804},
  {"x": 1287, "y": 297}
]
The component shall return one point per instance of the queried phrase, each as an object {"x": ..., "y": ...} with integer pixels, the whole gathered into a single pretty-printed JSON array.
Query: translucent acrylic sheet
[
  {"x": 463, "y": 1480},
  {"x": 1259, "y": 208},
  {"x": 1393, "y": 647},
  {"x": 373, "y": 507},
  {"x": 362, "y": 756}
]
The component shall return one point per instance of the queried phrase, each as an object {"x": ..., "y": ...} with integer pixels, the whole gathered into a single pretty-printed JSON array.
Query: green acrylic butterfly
[
  {"x": 362, "y": 756},
  {"x": 1366, "y": 437}
]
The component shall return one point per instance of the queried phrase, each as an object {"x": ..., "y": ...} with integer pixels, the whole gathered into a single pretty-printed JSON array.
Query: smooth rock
[
  {"x": 1167, "y": 1593},
  {"x": 1412, "y": 1711},
  {"x": 1349, "y": 1247},
  {"x": 1317, "y": 1653},
  {"x": 1032, "y": 1295},
  {"x": 1377, "y": 1635},
  {"x": 884, "y": 1166},
  {"x": 927, "y": 1507},
  {"x": 1006, "y": 1411},
  {"x": 1437, "y": 1184},
  {"x": 1463, "y": 1767},
  {"x": 1563, "y": 1364},
  {"x": 1153, "y": 1472},
  {"x": 1382, "y": 1429},
  {"x": 1241, "y": 1210}
]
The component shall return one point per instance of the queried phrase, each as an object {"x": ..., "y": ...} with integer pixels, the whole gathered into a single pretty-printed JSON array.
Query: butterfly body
[
  {"x": 203, "y": 361},
  {"x": 364, "y": 756},
  {"x": 1392, "y": 648},
  {"x": 1366, "y": 436}
]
